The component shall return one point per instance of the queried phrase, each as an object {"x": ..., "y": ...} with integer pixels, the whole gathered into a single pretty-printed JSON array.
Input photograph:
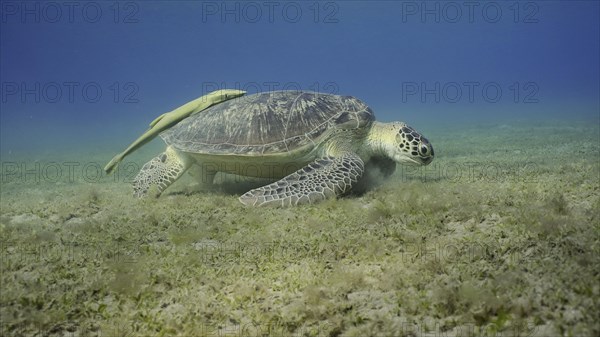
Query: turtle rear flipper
[
  {"x": 160, "y": 172},
  {"x": 324, "y": 178}
]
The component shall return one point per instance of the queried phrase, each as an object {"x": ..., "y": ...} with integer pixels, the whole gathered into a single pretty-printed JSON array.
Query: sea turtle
[
  {"x": 315, "y": 145},
  {"x": 168, "y": 119}
]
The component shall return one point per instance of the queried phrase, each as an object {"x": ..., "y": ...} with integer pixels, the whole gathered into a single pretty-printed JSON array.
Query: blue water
[{"x": 90, "y": 76}]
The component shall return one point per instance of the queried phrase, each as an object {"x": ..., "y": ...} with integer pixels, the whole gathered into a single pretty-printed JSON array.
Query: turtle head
[{"x": 403, "y": 144}]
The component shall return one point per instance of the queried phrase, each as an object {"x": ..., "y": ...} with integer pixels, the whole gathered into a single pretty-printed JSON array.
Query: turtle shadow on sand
[{"x": 377, "y": 170}]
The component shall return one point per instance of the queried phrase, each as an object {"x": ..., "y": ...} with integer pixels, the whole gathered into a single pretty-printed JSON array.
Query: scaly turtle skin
[{"x": 315, "y": 145}]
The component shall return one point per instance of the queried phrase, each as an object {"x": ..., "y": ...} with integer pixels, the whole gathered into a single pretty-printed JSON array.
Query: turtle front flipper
[
  {"x": 160, "y": 172},
  {"x": 324, "y": 178}
]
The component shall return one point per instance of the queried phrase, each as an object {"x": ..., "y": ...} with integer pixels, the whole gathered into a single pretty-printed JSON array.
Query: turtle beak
[
  {"x": 427, "y": 160},
  {"x": 408, "y": 161}
]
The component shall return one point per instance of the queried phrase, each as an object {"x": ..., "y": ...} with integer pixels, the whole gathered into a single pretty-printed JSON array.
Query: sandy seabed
[{"x": 499, "y": 236}]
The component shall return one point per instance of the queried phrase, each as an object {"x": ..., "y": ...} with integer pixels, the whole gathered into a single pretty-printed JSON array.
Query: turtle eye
[{"x": 423, "y": 149}]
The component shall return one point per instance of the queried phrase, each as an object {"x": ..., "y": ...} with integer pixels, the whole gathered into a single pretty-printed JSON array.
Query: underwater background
[
  {"x": 92, "y": 75},
  {"x": 500, "y": 235}
]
